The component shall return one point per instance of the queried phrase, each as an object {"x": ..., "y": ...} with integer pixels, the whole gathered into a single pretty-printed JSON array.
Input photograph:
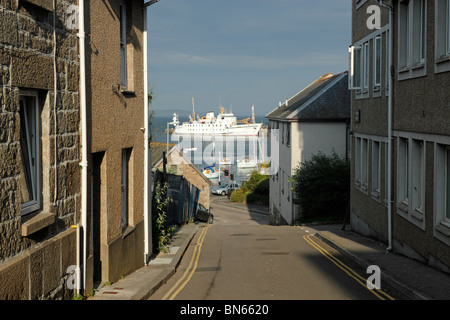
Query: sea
[{"x": 206, "y": 150}]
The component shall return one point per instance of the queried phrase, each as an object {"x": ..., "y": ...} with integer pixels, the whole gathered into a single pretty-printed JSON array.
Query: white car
[{"x": 223, "y": 188}]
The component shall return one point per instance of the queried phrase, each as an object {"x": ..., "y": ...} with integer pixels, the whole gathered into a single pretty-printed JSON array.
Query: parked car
[
  {"x": 224, "y": 188},
  {"x": 204, "y": 214}
]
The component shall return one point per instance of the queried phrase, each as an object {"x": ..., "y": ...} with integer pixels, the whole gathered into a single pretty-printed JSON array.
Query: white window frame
[
  {"x": 417, "y": 179},
  {"x": 377, "y": 63},
  {"x": 412, "y": 37},
  {"x": 411, "y": 166},
  {"x": 362, "y": 164},
  {"x": 442, "y": 36},
  {"x": 360, "y": 68},
  {"x": 366, "y": 66},
  {"x": 357, "y": 162},
  {"x": 447, "y": 187},
  {"x": 32, "y": 118},
  {"x": 355, "y": 68},
  {"x": 376, "y": 170},
  {"x": 440, "y": 190},
  {"x": 388, "y": 67},
  {"x": 365, "y": 165},
  {"x": 403, "y": 174},
  {"x": 123, "y": 46}
]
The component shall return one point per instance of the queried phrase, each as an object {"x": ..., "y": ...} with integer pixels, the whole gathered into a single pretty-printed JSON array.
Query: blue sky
[{"x": 243, "y": 52}]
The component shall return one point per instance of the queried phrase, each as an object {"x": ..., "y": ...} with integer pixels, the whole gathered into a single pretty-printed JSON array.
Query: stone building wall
[{"x": 37, "y": 248}]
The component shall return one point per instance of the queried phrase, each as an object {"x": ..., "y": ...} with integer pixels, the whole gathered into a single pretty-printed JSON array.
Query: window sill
[
  {"x": 417, "y": 215},
  {"x": 445, "y": 230},
  {"x": 443, "y": 59},
  {"x": 127, "y": 231},
  {"x": 403, "y": 208},
  {"x": 37, "y": 223},
  {"x": 442, "y": 64},
  {"x": 128, "y": 92}
]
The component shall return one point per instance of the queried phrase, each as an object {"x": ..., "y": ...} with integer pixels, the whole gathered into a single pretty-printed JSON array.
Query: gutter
[
  {"x": 84, "y": 144},
  {"x": 148, "y": 248},
  {"x": 391, "y": 89}
]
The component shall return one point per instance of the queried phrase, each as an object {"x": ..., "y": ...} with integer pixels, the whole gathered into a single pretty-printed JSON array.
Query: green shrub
[
  {"x": 255, "y": 190},
  {"x": 322, "y": 186},
  {"x": 238, "y": 195}
]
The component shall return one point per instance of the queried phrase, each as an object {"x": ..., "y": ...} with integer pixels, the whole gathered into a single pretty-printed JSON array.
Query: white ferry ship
[{"x": 224, "y": 124}]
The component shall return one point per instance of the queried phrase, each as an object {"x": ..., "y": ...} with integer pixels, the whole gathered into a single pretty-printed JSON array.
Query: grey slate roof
[{"x": 326, "y": 99}]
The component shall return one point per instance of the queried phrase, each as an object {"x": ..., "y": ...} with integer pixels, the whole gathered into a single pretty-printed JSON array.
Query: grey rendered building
[{"x": 401, "y": 126}]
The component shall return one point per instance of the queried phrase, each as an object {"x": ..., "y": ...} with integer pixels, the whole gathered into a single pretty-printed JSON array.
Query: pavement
[{"x": 414, "y": 279}]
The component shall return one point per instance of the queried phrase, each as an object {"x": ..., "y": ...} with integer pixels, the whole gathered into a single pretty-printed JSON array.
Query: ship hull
[{"x": 241, "y": 130}]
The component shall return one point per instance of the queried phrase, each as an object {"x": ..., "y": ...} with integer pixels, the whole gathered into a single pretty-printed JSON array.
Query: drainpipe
[
  {"x": 390, "y": 99},
  {"x": 84, "y": 143},
  {"x": 147, "y": 170}
]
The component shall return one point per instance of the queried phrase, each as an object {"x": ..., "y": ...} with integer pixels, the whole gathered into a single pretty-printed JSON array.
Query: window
[
  {"x": 123, "y": 46},
  {"x": 447, "y": 185},
  {"x": 376, "y": 170},
  {"x": 442, "y": 35},
  {"x": 364, "y": 164},
  {"x": 417, "y": 177},
  {"x": 412, "y": 37},
  {"x": 125, "y": 186},
  {"x": 359, "y": 67},
  {"x": 366, "y": 66},
  {"x": 357, "y": 162},
  {"x": 442, "y": 192},
  {"x": 30, "y": 142},
  {"x": 403, "y": 174},
  {"x": 361, "y": 164},
  {"x": 377, "y": 63},
  {"x": 355, "y": 68},
  {"x": 388, "y": 57},
  {"x": 411, "y": 179}
]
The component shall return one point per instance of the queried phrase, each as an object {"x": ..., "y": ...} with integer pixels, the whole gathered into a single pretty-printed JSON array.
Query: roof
[
  {"x": 157, "y": 149},
  {"x": 326, "y": 99},
  {"x": 158, "y": 158}
]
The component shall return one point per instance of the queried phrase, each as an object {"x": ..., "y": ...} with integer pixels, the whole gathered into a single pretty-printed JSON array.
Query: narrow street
[{"x": 241, "y": 257}]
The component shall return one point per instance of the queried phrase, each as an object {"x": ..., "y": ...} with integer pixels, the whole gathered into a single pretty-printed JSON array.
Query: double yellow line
[
  {"x": 349, "y": 271},
  {"x": 176, "y": 289}
]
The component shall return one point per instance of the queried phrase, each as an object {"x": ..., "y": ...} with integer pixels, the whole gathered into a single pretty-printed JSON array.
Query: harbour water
[{"x": 216, "y": 150}]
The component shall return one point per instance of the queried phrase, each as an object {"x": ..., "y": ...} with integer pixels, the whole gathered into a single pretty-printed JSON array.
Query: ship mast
[
  {"x": 193, "y": 108},
  {"x": 253, "y": 113}
]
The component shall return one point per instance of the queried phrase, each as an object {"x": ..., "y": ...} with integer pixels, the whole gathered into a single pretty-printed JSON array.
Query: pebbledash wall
[{"x": 39, "y": 149}]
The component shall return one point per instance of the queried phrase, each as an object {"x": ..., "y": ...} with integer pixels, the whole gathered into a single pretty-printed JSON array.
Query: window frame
[
  {"x": 377, "y": 63},
  {"x": 447, "y": 186},
  {"x": 440, "y": 190},
  {"x": 34, "y": 150},
  {"x": 123, "y": 46},
  {"x": 376, "y": 170},
  {"x": 417, "y": 178},
  {"x": 403, "y": 167},
  {"x": 412, "y": 38},
  {"x": 442, "y": 36}
]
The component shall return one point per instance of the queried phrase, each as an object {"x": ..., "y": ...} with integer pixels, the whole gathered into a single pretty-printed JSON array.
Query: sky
[{"x": 239, "y": 53}]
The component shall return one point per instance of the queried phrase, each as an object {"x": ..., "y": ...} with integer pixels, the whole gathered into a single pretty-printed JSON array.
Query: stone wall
[{"x": 27, "y": 64}]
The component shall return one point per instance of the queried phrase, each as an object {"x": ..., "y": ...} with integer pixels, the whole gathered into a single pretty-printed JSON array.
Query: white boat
[
  {"x": 187, "y": 150},
  {"x": 247, "y": 163},
  {"x": 211, "y": 172},
  {"x": 224, "y": 124},
  {"x": 225, "y": 161}
]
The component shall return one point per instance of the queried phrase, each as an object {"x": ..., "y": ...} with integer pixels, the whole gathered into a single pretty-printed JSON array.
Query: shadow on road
[{"x": 258, "y": 213}]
